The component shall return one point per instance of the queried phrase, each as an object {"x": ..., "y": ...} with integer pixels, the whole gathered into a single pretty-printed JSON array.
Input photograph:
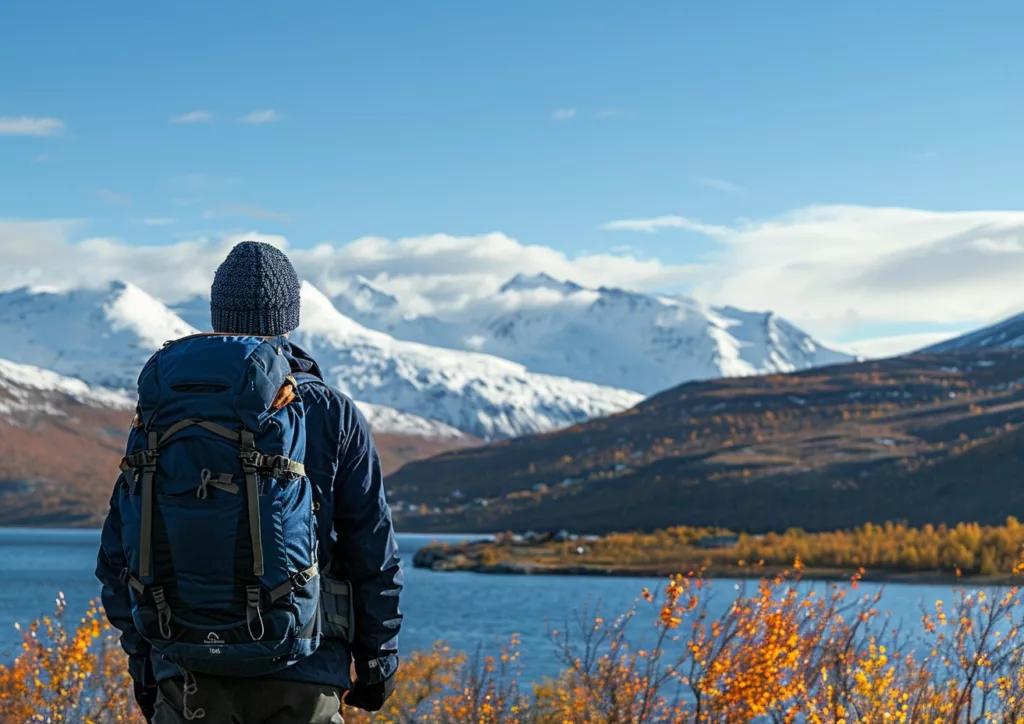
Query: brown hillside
[
  {"x": 921, "y": 439},
  {"x": 58, "y": 465}
]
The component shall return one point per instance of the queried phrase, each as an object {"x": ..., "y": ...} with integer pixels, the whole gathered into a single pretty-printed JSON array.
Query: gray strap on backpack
[
  {"x": 252, "y": 491},
  {"x": 146, "y": 529}
]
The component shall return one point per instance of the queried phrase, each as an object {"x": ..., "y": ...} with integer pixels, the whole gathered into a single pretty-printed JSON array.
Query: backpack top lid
[{"x": 213, "y": 376}]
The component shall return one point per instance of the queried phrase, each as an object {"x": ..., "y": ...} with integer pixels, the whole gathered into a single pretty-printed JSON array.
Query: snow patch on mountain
[
  {"x": 27, "y": 389},
  {"x": 389, "y": 420},
  {"x": 480, "y": 394}
]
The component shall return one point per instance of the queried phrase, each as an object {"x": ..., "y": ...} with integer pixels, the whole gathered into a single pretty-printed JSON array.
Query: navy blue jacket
[{"x": 355, "y": 524}]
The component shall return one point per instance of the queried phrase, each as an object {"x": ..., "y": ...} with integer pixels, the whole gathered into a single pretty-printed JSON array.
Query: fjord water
[{"x": 467, "y": 611}]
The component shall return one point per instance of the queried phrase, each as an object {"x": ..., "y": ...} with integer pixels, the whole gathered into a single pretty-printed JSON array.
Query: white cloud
[
  {"x": 45, "y": 158},
  {"x": 718, "y": 184},
  {"x": 892, "y": 346},
  {"x": 610, "y": 113},
  {"x": 31, "y": 126},
  {"x": 651, "y": 225},
  {"x": 430, "y": 273},
  {"x": 113, "y": 197},
  {"x": 832, "y": 268},
  {"x": 563, "y": 114},
  {"x": 158, "y": 221},
  {"x": 268, "y": 115},
  {"x": 193, "y": 117}
]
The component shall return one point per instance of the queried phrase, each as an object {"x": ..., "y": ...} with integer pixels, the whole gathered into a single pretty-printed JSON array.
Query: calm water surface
[{"x": 465, "y": 610}]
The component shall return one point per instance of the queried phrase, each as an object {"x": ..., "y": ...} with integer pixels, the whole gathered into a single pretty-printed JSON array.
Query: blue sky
[{"x": 540, "y": 120}]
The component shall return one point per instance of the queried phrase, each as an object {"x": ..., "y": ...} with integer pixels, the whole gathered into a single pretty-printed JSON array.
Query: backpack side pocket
[{"x": 336, "y": 609}]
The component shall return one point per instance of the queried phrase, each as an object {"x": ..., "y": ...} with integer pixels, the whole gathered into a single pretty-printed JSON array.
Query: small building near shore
[{"x": 718, "y": 541}]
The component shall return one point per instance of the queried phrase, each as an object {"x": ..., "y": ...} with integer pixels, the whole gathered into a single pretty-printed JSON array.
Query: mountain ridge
[{"x": 608, "y": 335}]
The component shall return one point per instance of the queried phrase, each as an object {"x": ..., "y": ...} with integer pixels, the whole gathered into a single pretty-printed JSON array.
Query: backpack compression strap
[{"x": 252, "y": 462}]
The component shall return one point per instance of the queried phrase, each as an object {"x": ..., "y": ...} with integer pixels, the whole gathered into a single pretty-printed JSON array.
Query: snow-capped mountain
[
  {"x": 101, "y": 336},
  {"x": 480, "y": 394},
  {"x": 608, "y": 336},
  {"x": 1003, "y": 335},
  {"x": 26, "y": 391}
]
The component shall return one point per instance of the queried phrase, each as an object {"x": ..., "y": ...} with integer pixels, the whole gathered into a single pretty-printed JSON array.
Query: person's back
[{"x": 256, "y": 294}]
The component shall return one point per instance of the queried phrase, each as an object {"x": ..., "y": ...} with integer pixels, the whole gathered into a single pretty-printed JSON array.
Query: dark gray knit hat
[{"x": 255, "y": 291}]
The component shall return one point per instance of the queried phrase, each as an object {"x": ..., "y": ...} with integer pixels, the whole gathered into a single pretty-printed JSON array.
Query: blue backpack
[{"x": 217, "y": 514}]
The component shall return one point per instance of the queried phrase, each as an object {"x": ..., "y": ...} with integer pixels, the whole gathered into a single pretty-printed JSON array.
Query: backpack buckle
[
  {"x": 250, "y": 458},
  {"x": 301, "y": 579}
]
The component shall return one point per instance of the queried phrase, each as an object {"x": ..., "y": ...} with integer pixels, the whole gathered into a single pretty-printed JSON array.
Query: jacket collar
[{"x": 301, "y": 361}]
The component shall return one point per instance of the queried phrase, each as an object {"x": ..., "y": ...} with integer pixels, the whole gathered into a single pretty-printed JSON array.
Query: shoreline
[{"x": 456, "y": 560}]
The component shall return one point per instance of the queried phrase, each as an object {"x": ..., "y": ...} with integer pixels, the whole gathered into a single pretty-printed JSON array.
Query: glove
[
  {"x": 370, "y": 697},
  {"x": 145, "y": 697}
]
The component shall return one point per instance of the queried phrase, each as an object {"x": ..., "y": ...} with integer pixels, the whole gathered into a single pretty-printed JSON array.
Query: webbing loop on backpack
[
  {"x": 253, "y": 612},
  {"x": 221, "y": 482},
  {"x": 163, "y": 612},
  {"x": 252, "y": 491},
  {"x": 146, "y": 528}
]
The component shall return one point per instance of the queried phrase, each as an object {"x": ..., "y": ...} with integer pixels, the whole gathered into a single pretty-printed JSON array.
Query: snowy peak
[
  {"x": 359, "y": 296},
  {"x": 1008, "y": 334},
  {"x": 480, "y": 394},
  {"x": 532, "y": 282},
  {"x": 101, "y": 336}
]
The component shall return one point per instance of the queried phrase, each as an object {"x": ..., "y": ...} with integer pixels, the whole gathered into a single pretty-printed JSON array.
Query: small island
[{"x": 889, "y": 552}]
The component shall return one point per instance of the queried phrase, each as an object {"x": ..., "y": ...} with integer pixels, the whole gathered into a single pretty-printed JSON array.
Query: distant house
[
  {"x": 481, "y": 502},
  {"x": 718, "y": 541},
  {"x": 540, "y": 488}
]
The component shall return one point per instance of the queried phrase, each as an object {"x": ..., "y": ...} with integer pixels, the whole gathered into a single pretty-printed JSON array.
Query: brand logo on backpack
[{"x": 212, "y": 639}]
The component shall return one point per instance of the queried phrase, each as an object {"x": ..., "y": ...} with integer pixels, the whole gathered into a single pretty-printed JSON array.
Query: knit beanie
[{"x": 255, "y": 292}]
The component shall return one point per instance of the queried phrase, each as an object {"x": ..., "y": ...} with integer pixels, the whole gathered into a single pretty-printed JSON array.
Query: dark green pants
[{"x": 226, "y": 700}]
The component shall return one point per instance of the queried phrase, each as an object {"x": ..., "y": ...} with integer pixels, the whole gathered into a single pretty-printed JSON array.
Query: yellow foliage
[{"x": 783, "y": 652}]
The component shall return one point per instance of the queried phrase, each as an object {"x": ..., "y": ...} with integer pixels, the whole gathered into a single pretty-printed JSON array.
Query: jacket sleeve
[
  {"x": 117, "y": 603},
  {"x": 367, "y": 552}
]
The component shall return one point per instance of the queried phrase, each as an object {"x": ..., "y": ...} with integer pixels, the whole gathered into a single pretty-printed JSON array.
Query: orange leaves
[
  {"x": 781, "y": 652},
  {"x": 64, "y": 677}
]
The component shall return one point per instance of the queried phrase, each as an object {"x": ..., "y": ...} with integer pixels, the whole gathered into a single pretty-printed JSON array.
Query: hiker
[{"x": 248, "y": 557}]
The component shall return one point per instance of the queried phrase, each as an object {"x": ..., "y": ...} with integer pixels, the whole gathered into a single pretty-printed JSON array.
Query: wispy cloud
[
  {"x": 31, "y": 126},
  {"x": 718, "y": 184},
  {"x": 924, "y": 155},
  {"x": 653, "y": 224},
  {"x": 250, "y": 211},
  {"x": 268, "y": 115},
  {"x": 610, "y": 113},
  {"x": 190, "y": 201},
  {"x": 45, "y": 158},
  {"x": 158, "y": 221},
  {"x": 193, "y": 117},
  {"x": 113, "y": 197},
  {"x": 563, "y": 114}
]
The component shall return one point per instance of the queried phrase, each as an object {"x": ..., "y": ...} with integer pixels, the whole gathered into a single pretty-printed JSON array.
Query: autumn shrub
[{"x": 781, "y": 650}]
